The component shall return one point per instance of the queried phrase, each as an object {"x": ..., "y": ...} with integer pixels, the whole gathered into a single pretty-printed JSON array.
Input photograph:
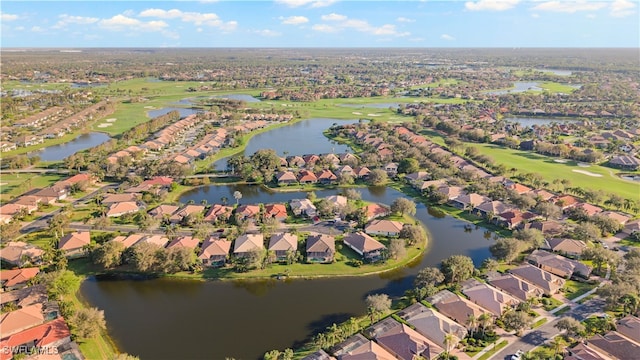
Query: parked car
[{"x": 517, "y": 355}]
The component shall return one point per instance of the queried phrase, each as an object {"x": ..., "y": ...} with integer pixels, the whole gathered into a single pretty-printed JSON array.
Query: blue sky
[{"x": 320, "y": 23}]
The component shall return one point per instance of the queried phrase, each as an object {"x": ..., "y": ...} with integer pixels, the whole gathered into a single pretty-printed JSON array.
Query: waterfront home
[
  {"x": 188, "y": 242},
  {"x": 163, "y": 211},
  {"x": 7, "y": 146},
  {"x": 306, "y": 177},
  {"x": 454, "y": 306},
  {"x": 276, "y": 211},
  {"x": 338, "y": 201},
  {"x": 361, "y": 172},
  {"x": 548, "y": 227},
  {"x": 122, "y": 208},
  {"x": 468, "y": 201},
  {"x": 326, "y": 176},
  {"x": 451, "y": 192},
  {"x": 302, "y": 207},
  {"x": 488, "y": 297},
  {"x": 218, "y": 212},
  {"x": 295, "y": 161},
  {"x": 566, "y": 247},
  {"x": 158, "y": 240},
  {"x": 348, "y": 157},
  {"x": 245, "y": 212},
  {"x": 391, "y": 168},
  {"x": 310, "y": 159},
  {"x": 432, "y": 324},
  {"x": 374, "y": 211},
  {"x": 118, "y": 198},
  {"x": 417, "y": 178},
  {"x": 128, "y": 241},
  {"x": 51, "y": 335},
  {"x": 19, "y": 253},
  {"x": 286, "y": 178},
  {"x": 246, "y": 243},
  {"x": 319, "y": 355},
  {"x": 182, "y": 214},
  {"x": 515, "y": 286},
  {"x": 25, "y": 296},
  {"x": 344, "y": 170},
  {"x": 321, "y": 248},
  {"x": 16, "y": 278},
  {"x": 384, "y": 227},
  {"x": 73, "y": 244},
  {"x": 548, "y": 282},
  {"x": 490, "y": 209},
  {"x": 369, "y": 248},
  {"x": 214, "y": 252},
  {"x": 558, "y": 265},
  {"x": 19, "y": 320},
  {"x": 283, "y": 244},
  {"x": 358, "y": 347},
  {"x": 512, "y": 218},
  {"x": 402, "y": 341}
]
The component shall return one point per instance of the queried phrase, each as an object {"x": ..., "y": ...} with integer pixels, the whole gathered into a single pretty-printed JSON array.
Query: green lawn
[
  {"x": 572, "y": 289},
  {"x": 551, "y": 170},
  {"x": 494, "y": 349},
  {"x": 553, "y": 303},
  {"x": 13, "y": 185},
  {"x": 538, "y": 323},
  {"x": 555, "y": 87}
]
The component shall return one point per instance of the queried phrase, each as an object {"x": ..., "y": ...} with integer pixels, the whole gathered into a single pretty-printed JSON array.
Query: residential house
[
  {"x": 319, "y": 355},
  {"x": 402, "y": 341},
  {"x": 302, "y": 207},
  {"x": 348, "y": 157},
  {"x": 286, "y": 178},
  {"x": 52, "y": 192},
  {"x": 625, "y": 162},
  {"x": 326, "y": 176},
  {"x": 491, "y": 208},
  {"x": 361, "y": 172},
  {"x": 582, "y": 351},
  {"x": 558, "y": 265},
  {"x": 188, "y": 210},
  {"x": 344, "y": 170},
  {"x": 451, "y": 192},
  {"x": 614, "y": 345},
  {"x": 28, "y": 202},
  {"x": 566, "y": 201},
  {"x": 566, "y": 247},
  {"x": 310, "y": 160},
  {"x": 629, "y": 326},
  {"x": 218, "y": 212},
  {"x": 488, "y": 297},
  {"x": 455, "y": 307},
  {"x": 246, "y": 212},
  {"x": 7, "y": 146},
  {"x": 468, "y": 201},
  {"x": 158, "y": 240},
  {"x": 518, "y": 188},
  {"x": 51, "y": 335},
  {"x": 391, "y": 168},
  {"x": 542, "y": 194},
  {"x": 374, "y": 211},
  {"x": 283, "y": 244},
  {"x": 36, "y": 294},
  {"x": 631, "y": 227},
  {"x": 589, "y": 209},
  {"x": 548, "y": 227},
  {"x": 129, "y": 240},
  {"x": 432, "y": 324},
  {"x": 276, "y": 211},
  {"x": 366, "y": 246},
  {"x": 17, "y": 278},
  {"x": 332, "y": 159},
  {"x": 122, "y": 208},
  {"x": 620, "y": 218},
  {"x": 189, "y": 242},
  {"x": 118, "y": 198},
  {"x": 417, "y": 177},
  {"x": 19, "y": 320},
  {"x": 163, "y": 211},
  {"x": 338, "y": 201},
  {"x": 384, "y": 227},
  {"x": 358, "y": 347},
  {"x": 321, "y": 248},
  {"x": 214, "y": 252},
  {"x": 306, "y": 177},
  {"x": 73, "y": 244},
  {"x": 295, "y": 161},
  {"x": 515, "y": 286},
  {"x": 512, "y": 218},
  {"x": 246, "y": 243},
  {"x": 548, "y": 282},
  {"x": 19, "y": 253}
]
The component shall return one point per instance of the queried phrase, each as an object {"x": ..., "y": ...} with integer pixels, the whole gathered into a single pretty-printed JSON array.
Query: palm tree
[
  {"x": 449, "y": 340},
  {"x": 472, "y": 323},
  {"x": 485, "y": 320},
  {"x": 558, "y": 344},
  {"x": 237, "y": 195}
]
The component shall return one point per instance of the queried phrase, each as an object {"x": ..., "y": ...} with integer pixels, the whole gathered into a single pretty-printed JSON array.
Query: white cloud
[
  {"x": 342, "y": 22},
  {"x": 196, "y": 18},
  {"x": 311, "y": 3},
  {"x": 490, "y": 5},
  {"x": 447, "y": 37},
  {"x": 268, "y": 33},
  {"x": 333, "y": 17},
  {"x": 121, "y": 23},
  {"x": 405, "y": 20},
  {"x": 569, "y": 6},
  {"x": 294, "y": 20},
  {"x": 37, "y": 29},
  {"x": 8, "y": 17},
  {"x": 622, "y": 8},
  {"x": 66, "y": 19}
]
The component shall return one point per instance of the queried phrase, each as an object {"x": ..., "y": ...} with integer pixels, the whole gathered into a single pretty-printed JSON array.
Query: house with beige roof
[
  {"x": 319, "y": 355},
  {"x": 286, "y": 178},
  {"x": 218, "y": 212},
  {"x": 122, "y": 208},
  {"x": 358, "y": 347},
  {"x": 558, "y": 265},
  {"x": 384, "y": 227},
  {"x": 402, "y": 341},
  {"x": 117, "y": 198},
  {"x": 18, "y": 320},
  {"x": 491, "y": 208},
  {"x": 548, "y": 282},
  {"x": 321, "y": 248},
  {"x": 188, "y": 242},
  {"x": 455, "y": 307},
  {"x": 18, "y": 253},
  {"x": 566, "y": 247},
  {"x": 163, "y": 211},
  {"x": 283, "y": 244},
  {"x": 614, "y": 345},
  {"x": 620, "y": 218},
  {"x": 511, "y": 284},
  {"x": 374, "y": 211},
  {"x": 16, "y": 278},
  {"x": 129, "y": 240},
  {"x": 180, "y": 215},
  {"x": 73, "y": 243},
  {"x": 158, "y": 240},
  {"x": 248, "y": 242},
  {"x": 369, "y": 248},
  {"x": 245, "y": 212},
  {"x": 490, "y": 298},
  {"x": 214, "y": 252},
  {"x": 51, "y": 335},
  {"x": 629, "y": 326},
  {"x": 302, "y": 207},
  {"x": 631, "y": 227},
  {"x": 468, "y": 201},
  {"x": 432, "y": 324}
]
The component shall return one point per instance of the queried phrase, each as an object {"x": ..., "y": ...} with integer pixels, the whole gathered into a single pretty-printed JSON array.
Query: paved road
[{"x": 545, "y": 332}]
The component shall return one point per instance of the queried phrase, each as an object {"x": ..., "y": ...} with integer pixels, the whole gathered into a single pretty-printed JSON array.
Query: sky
[{"x": 320, "y": 23}]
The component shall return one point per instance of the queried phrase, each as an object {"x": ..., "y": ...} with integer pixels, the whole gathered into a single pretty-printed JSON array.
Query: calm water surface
[
  {"x": 518, "y": 86},
  {"x": 61, "y": 151},
  {"x": 525, "y": 121}
]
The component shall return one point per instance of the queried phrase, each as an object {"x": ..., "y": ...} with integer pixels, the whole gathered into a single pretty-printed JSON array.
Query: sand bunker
[
  {"x": 356, "y": 113},
  {"x": 581, "y": 164},
  {"x": 111, "y": 120},
  {"x": 373, "y": 114},
  {"x": 1, "y": 184},
  {"x": 149, "y": 107},
  {"x": 104, "y": 125},
  {"x": 561, "y": 161},
  {"x": 588, "y": 173}
]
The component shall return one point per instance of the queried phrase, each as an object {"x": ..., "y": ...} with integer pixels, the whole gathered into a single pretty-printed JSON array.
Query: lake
[
  {"x": 61, "y": 151},
  {"x": 299, "y": 138},
  {"x": 169, "y": 319},
  {"x": 518, "y": 86},
  {"x": 526, "y": 121}
]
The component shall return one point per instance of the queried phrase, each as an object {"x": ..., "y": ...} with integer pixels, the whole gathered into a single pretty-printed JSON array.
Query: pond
[
  {"x": 169, "y": 319},
  {"x": 240, "y": 97},
  {"x": 527, "y": 121},
  {"x": 518, "y": 86},
  {"x": 61, "y": 151},
  {"x": 558, "y": 72},
  {"x": 299, "y": 138}
]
